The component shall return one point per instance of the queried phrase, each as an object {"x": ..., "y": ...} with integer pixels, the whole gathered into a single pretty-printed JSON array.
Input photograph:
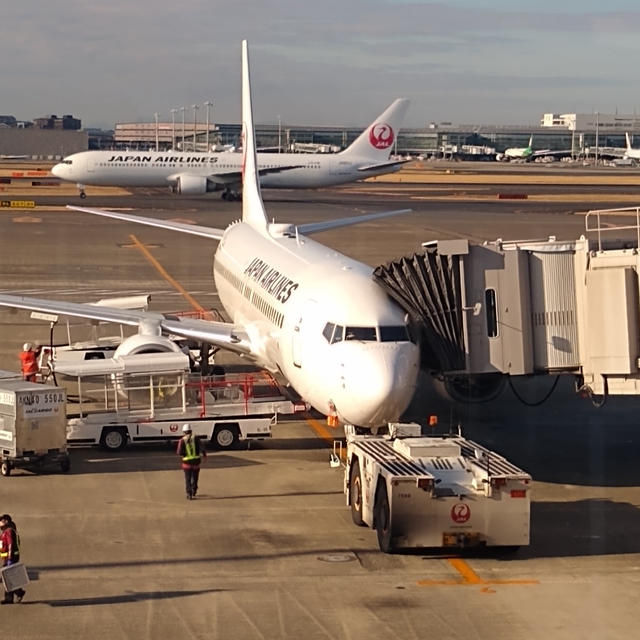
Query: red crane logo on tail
[{"x": 381, "y": 135}]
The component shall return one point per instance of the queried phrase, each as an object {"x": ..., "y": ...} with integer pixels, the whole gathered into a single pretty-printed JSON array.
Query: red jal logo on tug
[
  {"x": 460, "y": 512},
  {"x": 381, "y": 135}
]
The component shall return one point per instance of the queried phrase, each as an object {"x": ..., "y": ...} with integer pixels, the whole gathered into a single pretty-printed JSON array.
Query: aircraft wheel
[
  {"x": 383, "y": 519},
  {"x": 83, "y": 195},
  {"x": 355, "y": 493}
]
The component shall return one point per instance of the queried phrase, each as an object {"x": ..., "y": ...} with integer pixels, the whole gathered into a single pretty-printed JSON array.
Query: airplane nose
[
  {"x": 379, "y": 384},
  {"x": 57, "y": 170}
]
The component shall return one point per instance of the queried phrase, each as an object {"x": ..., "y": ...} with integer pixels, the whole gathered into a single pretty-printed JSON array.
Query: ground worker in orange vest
[{"x": 29, "y": 362}]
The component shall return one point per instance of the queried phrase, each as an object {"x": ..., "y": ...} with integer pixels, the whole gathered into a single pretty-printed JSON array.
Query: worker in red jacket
[
  {"x": 9, "y": 553},
  {"x": 29, "y": 362},
  {"x": 191, "y": 452}
]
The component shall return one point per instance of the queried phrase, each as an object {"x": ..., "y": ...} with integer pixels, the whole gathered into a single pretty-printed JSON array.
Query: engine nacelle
[
  {"x": 140, "y": 343},
  {"x": 190, "y": 185}
]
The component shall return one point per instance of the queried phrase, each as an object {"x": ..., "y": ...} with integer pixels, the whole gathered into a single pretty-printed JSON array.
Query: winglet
[{"x": 252, "y": 206}]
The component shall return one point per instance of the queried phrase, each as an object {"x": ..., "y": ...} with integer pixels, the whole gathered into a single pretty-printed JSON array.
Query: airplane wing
[
  {"x": 313, "y": 227},
  {"x": 194, "y": 229},
  {"x": 384, "y": 165},
  {"x": 235, "y": 177},
  {"x": 221, "y": 334}
]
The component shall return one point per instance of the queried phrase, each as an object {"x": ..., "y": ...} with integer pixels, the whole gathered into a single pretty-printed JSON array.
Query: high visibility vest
[{"x": 190, "y": 451}]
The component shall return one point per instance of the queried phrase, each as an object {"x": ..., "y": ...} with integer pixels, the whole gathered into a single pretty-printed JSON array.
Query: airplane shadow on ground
[
  {"x": 134, "y": 596},
  {"x": 590, "y": 527}
]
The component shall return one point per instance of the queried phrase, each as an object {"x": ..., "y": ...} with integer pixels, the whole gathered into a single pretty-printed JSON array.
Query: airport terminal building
[{"x": 576, "y": 134}]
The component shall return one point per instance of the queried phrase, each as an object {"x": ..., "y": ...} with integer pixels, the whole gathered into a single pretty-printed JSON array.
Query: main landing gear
[{"x": 231, "y": 196}]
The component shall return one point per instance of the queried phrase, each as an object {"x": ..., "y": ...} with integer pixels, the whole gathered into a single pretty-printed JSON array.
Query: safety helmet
[
  {"x": 186, "y": 428},
  {"x": 26, "y": 346}
]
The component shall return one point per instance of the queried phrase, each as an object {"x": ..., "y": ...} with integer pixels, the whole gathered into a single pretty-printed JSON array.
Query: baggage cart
[{"x": 32, "y": 426}]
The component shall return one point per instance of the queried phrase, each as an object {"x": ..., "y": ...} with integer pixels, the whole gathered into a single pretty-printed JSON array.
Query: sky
[{"x": 328, "y": 62}]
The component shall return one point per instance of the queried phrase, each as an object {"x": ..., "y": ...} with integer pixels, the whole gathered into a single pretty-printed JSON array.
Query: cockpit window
[
  {"x": 361, "y": 333},
  {"x": 337, "y": 334},
  {"x": 397, "y": 333},
  {"x": 327, "y": 332},
  {"x": 67, "y": 162}
]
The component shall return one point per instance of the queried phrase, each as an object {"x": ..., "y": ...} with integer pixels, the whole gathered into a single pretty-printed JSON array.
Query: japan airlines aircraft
[
  {"x": 296, "y": 306},
  {"x": 199, "y": 173}
]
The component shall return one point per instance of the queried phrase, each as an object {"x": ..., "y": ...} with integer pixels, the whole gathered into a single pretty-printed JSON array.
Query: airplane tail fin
[
  {"x": 530, "y": 145},
  {"x": 377, "y": 140},
  {"x": 626, "y": 135},
  {"x": 253, "y": 211}
]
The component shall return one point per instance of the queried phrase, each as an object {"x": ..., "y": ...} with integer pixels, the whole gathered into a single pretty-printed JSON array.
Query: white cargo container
[
  {"x": 32, "y": 426},
  {"x": 435, "y": 491}
]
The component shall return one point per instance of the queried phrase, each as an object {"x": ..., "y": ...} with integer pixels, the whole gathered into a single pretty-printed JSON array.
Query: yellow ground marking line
[
  {"x": 162, "y": 271},
  {"x": 321, "y": 430},
  {"x": 470, "y": 578}
]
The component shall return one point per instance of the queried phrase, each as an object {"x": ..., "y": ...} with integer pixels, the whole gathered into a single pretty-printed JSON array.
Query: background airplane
[
  {"x": 630, "y": 152},
  {"x": 527, "y": 154},
  {"x": 296, "y": 306},
  {"x": 199, "y": 173}
]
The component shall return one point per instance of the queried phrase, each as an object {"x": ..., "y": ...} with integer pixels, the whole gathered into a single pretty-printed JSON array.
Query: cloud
[{"x": 317, "y": 63}]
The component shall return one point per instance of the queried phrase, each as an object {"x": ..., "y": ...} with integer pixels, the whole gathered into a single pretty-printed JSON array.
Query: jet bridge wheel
[
  {"x": 113, "y": 438},
  {"x": 382, "y": 518},
  {"x": 355, "y": 492}
]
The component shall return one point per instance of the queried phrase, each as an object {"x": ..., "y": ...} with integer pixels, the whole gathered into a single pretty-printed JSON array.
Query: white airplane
[
  {"x": 519, "y": 153},
  {"x": 630, "y": 152},
  {"x": 199, "y": 173},
  {"x": 296, "y": 307}
]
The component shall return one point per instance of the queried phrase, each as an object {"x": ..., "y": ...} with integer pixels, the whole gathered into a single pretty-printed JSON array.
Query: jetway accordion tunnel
[{"x": 485, "y": 313}]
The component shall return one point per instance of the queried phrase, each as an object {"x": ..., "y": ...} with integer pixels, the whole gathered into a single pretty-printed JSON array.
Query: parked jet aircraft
[
  {"x": 521, "y": 153},
  {"x": 199, "y": 173},
  {"x": 630, "y": 152},
  {"x": 526, "y": 154},
  {"x": 296, "y": 306}
]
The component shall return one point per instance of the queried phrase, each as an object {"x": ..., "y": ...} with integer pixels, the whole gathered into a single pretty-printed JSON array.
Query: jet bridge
[{"x": 530, "y": 307}]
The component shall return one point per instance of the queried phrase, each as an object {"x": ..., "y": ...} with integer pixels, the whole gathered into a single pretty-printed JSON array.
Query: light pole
[
  {"x": 279, "y": 134},
  {"x": 183, "y": 110},
  {"x": 208, "y": 105},
  {"x": 195, "y": 109},
  {"x": 173, "y": 129},
  {"x": 597, "y": 135},
  {"x": 155, "y": 115}
]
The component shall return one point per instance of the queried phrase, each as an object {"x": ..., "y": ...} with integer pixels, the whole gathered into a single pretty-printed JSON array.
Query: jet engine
[
  {"x": 190, "y": 185},
  {"x": 141, "y": 343},
  {"x": 164, "y": 386}
]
